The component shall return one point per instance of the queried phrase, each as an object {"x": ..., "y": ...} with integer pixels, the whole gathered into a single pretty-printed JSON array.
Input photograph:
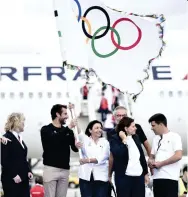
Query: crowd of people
[{"x": 120, "y": 154}]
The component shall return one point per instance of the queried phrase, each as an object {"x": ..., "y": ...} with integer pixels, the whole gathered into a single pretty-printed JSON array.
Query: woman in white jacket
[{"x": 93, "y": 171}]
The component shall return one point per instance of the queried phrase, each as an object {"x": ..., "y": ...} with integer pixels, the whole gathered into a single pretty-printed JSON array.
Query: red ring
[{"x": 131, "y": 46}]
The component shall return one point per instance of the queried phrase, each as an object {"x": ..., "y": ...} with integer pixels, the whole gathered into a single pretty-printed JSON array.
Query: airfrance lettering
[
  {"x": 161, "y": 73},
  {"x": 52, "y": 73}
]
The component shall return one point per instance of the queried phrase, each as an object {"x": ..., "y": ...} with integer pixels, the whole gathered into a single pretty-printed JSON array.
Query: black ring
[{"x": 107, "y": 18}]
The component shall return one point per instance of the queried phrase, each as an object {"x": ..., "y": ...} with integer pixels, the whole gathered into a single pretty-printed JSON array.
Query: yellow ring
[{"x": 88, "y": 24}]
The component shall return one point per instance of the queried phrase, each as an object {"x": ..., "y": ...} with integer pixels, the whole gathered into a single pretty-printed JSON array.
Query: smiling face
[
  {"x": 96, "y": 131},
  {"x": 63, "y": 116},
  {"x": 131, "y": 130}
]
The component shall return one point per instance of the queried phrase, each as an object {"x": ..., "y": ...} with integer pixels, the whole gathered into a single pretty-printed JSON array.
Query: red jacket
[{"x": 104, "y": 103}]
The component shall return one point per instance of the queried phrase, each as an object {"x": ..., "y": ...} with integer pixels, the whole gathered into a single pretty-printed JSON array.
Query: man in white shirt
[{"x": 165, "y": 158}]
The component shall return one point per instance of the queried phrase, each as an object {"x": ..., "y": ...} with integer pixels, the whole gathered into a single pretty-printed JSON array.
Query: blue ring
[{"x": 79, "y": 10}]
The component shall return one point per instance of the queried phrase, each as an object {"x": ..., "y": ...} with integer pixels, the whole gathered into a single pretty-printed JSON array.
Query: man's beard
[{"x": 62, "y": 121}]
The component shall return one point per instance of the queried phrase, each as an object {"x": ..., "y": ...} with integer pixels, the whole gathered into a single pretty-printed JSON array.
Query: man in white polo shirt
[{"x": 165, "y": 158}]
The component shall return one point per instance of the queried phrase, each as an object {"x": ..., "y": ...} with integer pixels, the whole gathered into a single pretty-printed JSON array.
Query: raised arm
[
  {"x": 73, "y": 141},
  {"x": 118, "y": 149}
]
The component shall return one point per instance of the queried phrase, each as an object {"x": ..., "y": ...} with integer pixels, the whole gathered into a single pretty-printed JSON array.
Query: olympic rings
[
  {"x": 88, "y": 25},
  {"x": 106, "y": 28},
  {"x": 79, "y": 10},
  {"x": 134, "y": 44},
  {"x": 107, "y": 17},
  {"x": 93, "y": 39}
]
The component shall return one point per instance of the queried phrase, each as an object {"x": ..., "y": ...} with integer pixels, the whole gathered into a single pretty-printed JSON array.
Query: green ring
[{"x": 93, "y": 40}]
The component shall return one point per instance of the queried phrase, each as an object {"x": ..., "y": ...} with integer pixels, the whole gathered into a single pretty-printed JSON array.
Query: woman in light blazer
[{"x": 93, "y": 171}]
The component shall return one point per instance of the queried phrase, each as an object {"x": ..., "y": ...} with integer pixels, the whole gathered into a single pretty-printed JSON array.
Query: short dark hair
[
  {"x": 57, "y": 109},
  {"x": 90, "y": 126},
  {"x": 39, "y": 180},
  {"x": 158, "y": 118},
  {"x": 124, "y": 122},
  {"x": 185, "y": 169}
]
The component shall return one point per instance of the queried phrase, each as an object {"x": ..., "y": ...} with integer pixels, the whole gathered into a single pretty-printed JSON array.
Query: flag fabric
[
  {"x": 118, "y": 46},
  {"x": 166, "y": 7},
  {"x": 71, "y": 39}
]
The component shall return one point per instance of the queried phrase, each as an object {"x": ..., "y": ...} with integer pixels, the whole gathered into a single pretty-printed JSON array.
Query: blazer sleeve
[
  {"x": 29, "y": 168},
  {"x": 7, "y": 161},
  {"x": 117, "y": 148}
]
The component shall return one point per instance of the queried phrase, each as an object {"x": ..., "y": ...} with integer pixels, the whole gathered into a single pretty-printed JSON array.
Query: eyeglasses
[{"x": 121, "y": 115}]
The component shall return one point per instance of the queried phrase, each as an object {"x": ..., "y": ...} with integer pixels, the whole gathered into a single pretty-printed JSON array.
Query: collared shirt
[
  {"x": 18, "y": 137},
  {"x": 163, "y": 149},
  {"x": 134, "y": 167},
  {"x": 100, "y": 151}
]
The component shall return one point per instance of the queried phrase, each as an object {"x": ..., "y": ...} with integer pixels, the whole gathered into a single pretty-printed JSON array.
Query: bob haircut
[{"x": 90, "y": 126}]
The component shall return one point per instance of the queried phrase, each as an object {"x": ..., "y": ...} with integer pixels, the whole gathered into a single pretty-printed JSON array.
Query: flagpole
[{"x": 63, "y": 56}]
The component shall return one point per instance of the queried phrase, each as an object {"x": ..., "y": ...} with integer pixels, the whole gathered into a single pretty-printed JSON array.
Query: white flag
[
  {"x": 166, "y": 7},
  {"x": 119, "y": 46}
]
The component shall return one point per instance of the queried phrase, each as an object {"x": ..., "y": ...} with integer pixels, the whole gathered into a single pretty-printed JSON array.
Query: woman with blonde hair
[{"x": 15, "y": 168}]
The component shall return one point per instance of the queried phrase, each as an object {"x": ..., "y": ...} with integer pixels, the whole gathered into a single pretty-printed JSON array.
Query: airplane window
[
  {"x": 170, "y": 94},
  {"x": 49, "y": 95},
  {"x": 2, "y": 95},
  {"x": 21, "y": 94},
  {"x": 40, "y": 94},
  {"x": 12, "y": 95},
  {"x": 30, "y": 94},
  {"x": 180, "y": 93},
  {"x": 58, "y": 94},
  {"x": 161, "y": 93}
]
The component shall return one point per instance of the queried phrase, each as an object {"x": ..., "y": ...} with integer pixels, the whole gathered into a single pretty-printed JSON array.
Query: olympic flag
[
  {"x": 118, "y": 46},
  {"x": 166, "y": 7}
]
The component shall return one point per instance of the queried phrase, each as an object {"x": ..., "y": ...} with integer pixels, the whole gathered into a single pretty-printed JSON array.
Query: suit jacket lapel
[
  {"x": 25, "y": 147},
  {"x": 17, "y": 141}
]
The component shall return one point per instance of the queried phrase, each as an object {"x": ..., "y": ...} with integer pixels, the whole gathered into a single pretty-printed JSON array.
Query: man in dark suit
[{"x": 15, "y": 168}]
